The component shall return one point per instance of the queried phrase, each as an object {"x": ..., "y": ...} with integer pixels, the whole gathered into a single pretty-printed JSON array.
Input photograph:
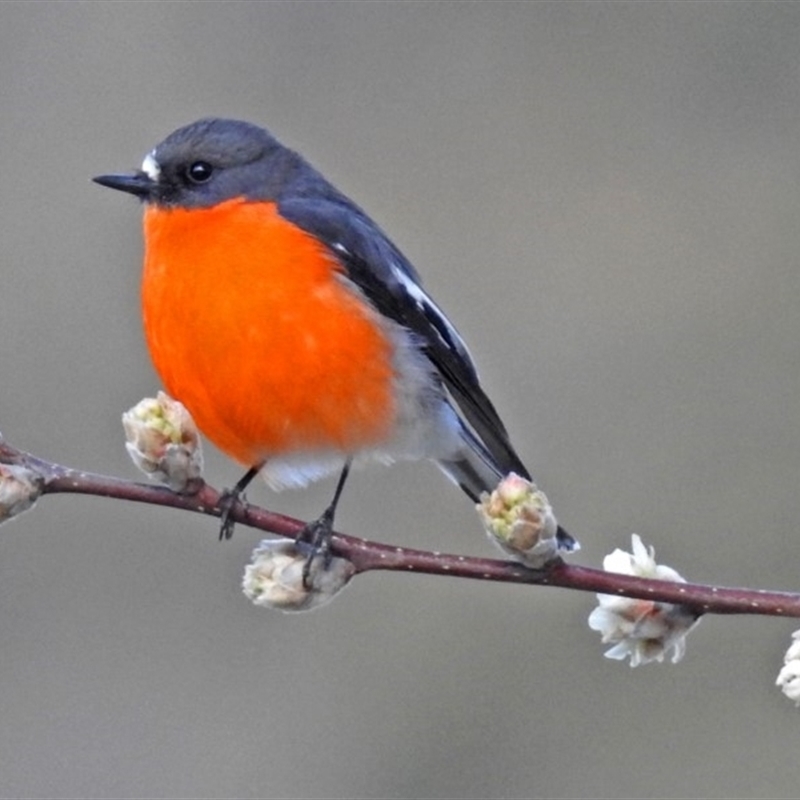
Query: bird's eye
[{"x": 199, "y": 172}]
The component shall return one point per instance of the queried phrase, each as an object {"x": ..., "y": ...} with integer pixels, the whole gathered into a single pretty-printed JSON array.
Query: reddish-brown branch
[{"x": 367, "y": 555}]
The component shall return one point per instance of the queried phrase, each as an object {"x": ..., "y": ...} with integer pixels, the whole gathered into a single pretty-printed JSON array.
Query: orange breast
[{"x": 250, "y": 326}]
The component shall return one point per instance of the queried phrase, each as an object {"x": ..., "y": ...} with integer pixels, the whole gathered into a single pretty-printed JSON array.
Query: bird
[{"x": 295, "y": 332}]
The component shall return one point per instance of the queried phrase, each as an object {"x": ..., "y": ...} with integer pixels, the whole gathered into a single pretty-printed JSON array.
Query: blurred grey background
[{"x": 604, "y": 197}]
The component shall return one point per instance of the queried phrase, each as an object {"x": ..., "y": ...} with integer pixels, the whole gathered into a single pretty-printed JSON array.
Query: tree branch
[{"x": 368, "y": 555}]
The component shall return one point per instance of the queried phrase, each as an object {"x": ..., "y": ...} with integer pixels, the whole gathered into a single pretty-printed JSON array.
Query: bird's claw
[
  {"x": 317, "y": 536},
  {"x": 227, "y": 503}
]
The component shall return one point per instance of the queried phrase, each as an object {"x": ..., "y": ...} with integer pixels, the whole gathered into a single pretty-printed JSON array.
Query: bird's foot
[
  {"x": 228, "y": 500},
  {"x": 317, "y": 536}
]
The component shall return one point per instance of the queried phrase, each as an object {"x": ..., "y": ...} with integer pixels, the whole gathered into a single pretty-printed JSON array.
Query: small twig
[{"x": 367, "y": 555}]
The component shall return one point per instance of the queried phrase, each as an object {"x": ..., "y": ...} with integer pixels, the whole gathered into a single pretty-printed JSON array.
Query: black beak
[{"x": 138, "y": 183}]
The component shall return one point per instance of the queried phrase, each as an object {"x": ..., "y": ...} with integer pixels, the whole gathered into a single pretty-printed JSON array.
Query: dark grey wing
[{"x": 392, "y": 285}]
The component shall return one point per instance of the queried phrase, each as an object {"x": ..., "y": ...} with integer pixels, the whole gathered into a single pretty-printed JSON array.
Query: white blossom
[
  {"x": 642, "y": 630},
  {"x": 789, "y": 676}
]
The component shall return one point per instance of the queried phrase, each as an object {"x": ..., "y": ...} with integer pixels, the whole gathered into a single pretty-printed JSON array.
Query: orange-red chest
[{"x": 250, "y": 325}]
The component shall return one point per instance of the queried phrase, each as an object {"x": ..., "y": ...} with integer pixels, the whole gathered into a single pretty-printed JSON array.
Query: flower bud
[
  {"x": 519, "y": 519},
  {"x": 275, "y": 579},
  {"x": 163, "y": 442},
  {"x": 20, "y": 487}
]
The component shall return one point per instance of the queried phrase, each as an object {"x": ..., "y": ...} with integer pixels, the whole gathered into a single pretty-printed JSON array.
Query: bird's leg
[
  {"x": 318, "y": 533},
  {"x": 229, "y": 499}
]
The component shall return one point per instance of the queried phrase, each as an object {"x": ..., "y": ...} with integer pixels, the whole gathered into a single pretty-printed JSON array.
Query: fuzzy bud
[
  {"x": 163, "y": 442},
  {"x": 20, "y": 487},
  {"x": 519, "y": 519},
  {"x": 274, "y": 578}
]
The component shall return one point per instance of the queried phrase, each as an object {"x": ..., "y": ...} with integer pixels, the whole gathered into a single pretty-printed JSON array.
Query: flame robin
[{"x": 298, "y": 336}]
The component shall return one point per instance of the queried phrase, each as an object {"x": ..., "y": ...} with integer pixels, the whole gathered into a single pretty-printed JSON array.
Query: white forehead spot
[{"x": 150, "y": 167}]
